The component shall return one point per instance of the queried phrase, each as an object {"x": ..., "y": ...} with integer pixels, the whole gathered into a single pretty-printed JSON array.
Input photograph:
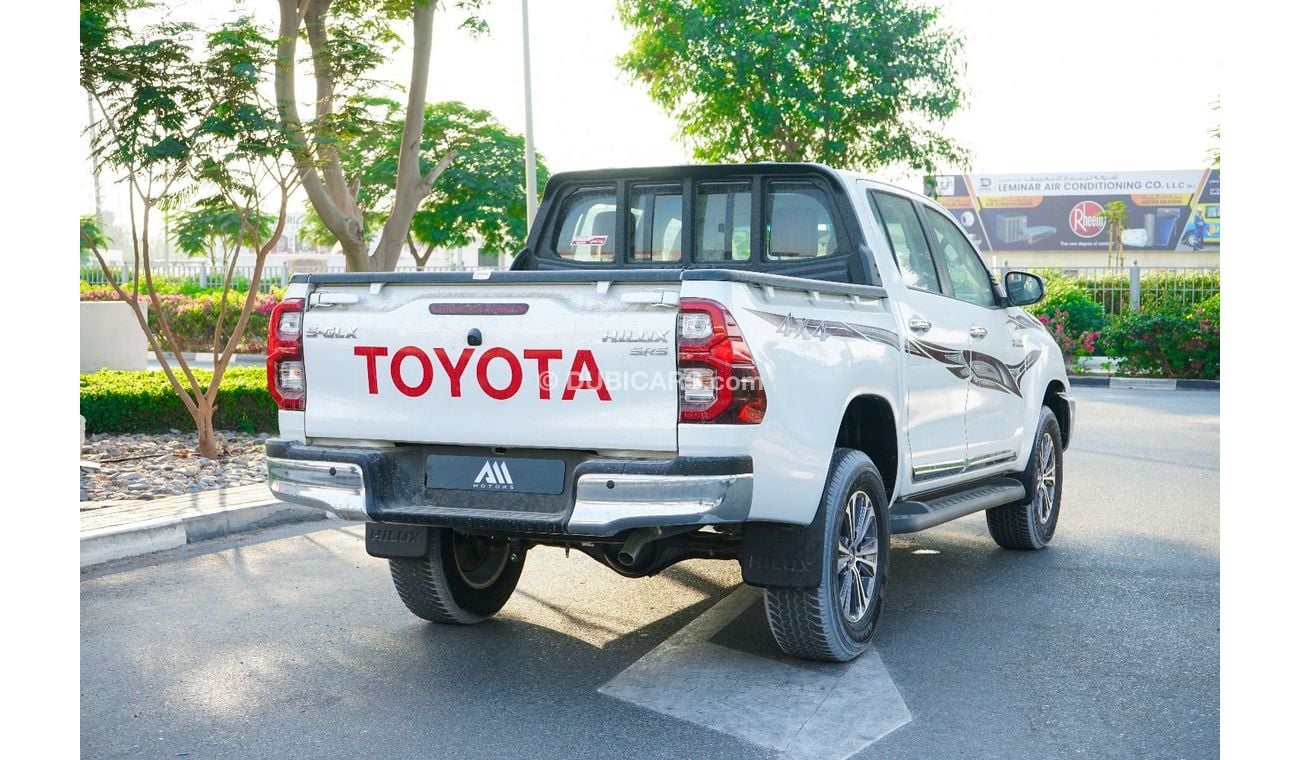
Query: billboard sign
[{"x": 1176, "y": 210}]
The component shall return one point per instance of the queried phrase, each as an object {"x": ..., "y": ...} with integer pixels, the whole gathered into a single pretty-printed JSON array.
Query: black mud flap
[
  {"x": 390, "y": 541},
  {"x": 780, "y": 555}
]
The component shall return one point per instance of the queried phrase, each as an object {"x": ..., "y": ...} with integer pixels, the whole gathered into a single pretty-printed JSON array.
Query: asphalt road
[{"x": 293, "y": 642}]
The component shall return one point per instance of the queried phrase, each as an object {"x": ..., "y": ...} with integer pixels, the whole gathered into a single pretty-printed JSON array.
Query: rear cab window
[
  {"x": 587, "y": 225},
  {"x": 799, "y": 222},
  {"x": 779, "y": 219}
]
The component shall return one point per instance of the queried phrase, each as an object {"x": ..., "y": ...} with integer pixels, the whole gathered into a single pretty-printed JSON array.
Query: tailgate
[{"x": 551, "y": 365}]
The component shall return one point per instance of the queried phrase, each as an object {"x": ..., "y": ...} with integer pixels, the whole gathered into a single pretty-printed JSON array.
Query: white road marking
[{"x": 812, "y": 711}]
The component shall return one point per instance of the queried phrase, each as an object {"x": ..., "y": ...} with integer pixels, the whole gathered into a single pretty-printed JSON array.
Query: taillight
[
  {"x": 717, "y": 378},
  {"x": 286, "y": 375}
]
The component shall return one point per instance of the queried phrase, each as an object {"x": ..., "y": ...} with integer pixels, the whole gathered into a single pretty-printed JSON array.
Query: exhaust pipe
[{"x": 637, "y": 542}]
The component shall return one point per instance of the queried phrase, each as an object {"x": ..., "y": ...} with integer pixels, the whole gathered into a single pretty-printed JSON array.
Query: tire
[
  {"x": 462, "y": 580},
  {"x": 831, "y": 622},
  {"x": 1030, "y": 524}
]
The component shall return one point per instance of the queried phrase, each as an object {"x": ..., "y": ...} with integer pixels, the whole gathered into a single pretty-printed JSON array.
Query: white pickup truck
[{"x": 781, "y": 364}]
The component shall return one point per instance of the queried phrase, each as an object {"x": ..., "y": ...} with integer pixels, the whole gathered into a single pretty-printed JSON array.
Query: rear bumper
[{"x": 601, "y": 497}]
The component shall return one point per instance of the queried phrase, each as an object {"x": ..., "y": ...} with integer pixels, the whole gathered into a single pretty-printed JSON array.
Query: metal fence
[
  {"x": 1134, "y": 288},
  {"x": 204, "y": 275},
  {"x": 1116, "y": 288}
]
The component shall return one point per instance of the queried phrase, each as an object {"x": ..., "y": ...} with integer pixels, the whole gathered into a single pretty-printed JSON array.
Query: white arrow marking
[{"x": 809, "y": 710}]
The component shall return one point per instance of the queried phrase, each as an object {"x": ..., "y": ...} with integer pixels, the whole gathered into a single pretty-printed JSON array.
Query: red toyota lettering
[
  {"x": 543, "y": 357},
  {"x": 372, "y": 376},
  {"x": 454, "y": 371},
  {"x": 516, "y": 374},
  {"x": 426, "y": 371},
  {"x": 585, "y": 361}
]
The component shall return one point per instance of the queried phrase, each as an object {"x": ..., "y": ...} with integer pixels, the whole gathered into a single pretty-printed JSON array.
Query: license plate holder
[{"x": 493, "y": 474}]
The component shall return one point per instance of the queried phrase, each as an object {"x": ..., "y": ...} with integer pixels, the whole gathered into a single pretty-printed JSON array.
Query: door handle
[
  {"x": 978, "y": 332},
  {"x": 918, "y": 325}
]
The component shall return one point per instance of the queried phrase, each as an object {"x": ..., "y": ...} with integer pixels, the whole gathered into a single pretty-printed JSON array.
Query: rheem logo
[{"x": 1085, "y": 219}]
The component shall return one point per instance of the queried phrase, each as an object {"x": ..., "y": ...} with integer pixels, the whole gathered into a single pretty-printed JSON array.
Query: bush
[
  {"x": 1073, "y": 344},
  {"x": 193, "y": 319},
  {"x": 1167, "y": 342},
  {"x": 144, "y": 402},
  {"x": 1070, "y": 305},
  {"x": 173, "y": 286}
]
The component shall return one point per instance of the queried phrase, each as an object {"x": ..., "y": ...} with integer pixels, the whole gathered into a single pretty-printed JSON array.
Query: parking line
[{"x": 809, "y": 710}]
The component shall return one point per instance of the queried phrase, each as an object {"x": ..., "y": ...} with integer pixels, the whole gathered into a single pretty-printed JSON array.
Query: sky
[{"x": 1108, "y": 85}]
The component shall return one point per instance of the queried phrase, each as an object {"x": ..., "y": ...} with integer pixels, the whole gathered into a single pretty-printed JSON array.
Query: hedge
[
  {"x": 144, "y": 402},
  {"x": 193, "y": 318},
  {"x": 1166, "y": 342}
]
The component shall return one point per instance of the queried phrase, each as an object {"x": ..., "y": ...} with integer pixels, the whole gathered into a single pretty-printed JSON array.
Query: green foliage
[
  {"x": 857, "y": 84},
  {"x": 1166, "y": 342},
  {"x": 479, "y": 195},
  {"x": 1081, "y": 313},
  {"x": 193, "y": 317},
  {"x": 1159, "y": 290},
  {"x": 1115, "y": 213},
  {"x": 173, "y": 286},
  {"x": 91, "y": 237},
  {"x": 213, "y": 222},
  {"x": 144, "y": 402}
]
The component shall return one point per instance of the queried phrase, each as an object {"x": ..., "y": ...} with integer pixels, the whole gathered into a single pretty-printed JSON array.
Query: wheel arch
[
  {"x": 870, "y": 425},
  {"x": 1054, "y": 399}
]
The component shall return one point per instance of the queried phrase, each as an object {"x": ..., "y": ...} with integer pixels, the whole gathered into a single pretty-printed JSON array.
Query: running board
[{"x": 911, "y": 516}]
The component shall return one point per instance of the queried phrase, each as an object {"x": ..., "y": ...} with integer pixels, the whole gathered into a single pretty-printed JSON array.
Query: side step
[{"x": 911, "y": 516}]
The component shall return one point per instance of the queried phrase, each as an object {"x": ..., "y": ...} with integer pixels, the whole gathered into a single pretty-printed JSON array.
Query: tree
[
  {"x": 855, "y": 84},
  {"x": 91, "y": 237},
  {"x": 345, "y": 39},
  {"x": 480, "y": 196},
  {"x": 177, "y": 114},
  {"x": 214, "y": 225},
  {"x": 1115, "y": 215}
]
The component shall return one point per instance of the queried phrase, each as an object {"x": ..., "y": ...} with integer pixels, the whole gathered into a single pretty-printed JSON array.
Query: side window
[
  {"x": 971, "y": 282},
  {"x": 586, "y": 229},
  {"x": 655, "y": 225},
  {"x": 907, "y": 241},
  {"x": 722, "y": 211},
  {"x": 799, "y": 222}
]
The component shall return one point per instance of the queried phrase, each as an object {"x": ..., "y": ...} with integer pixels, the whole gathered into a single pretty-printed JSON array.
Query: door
[
  {"x": 935, "y": 335},
  {"x": 997, "y": 359}
]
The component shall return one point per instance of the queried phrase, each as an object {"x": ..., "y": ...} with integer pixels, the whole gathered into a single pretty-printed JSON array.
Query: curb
[
  {"x": 148, "y": 537},
  {"x": 1143, "y": 383}
]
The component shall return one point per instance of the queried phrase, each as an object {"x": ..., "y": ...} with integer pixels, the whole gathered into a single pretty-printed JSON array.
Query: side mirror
[{"x": 1023, "y": 288}]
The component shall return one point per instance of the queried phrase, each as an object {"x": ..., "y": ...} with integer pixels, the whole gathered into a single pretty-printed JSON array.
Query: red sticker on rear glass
[{"x": 589, "y": 240}]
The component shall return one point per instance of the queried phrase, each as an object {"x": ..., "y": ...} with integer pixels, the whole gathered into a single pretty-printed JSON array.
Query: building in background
[{"x": 1054, "y": 219}]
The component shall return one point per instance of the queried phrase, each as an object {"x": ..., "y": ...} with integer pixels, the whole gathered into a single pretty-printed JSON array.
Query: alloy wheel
[{"x": 857, "y": 554}]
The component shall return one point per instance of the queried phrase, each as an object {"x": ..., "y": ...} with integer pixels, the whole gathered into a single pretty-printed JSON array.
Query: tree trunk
[
  {"x": 340, "y": 222},
  {"x": 202, "y": 414},
  {"x": 412, "y": 187}
]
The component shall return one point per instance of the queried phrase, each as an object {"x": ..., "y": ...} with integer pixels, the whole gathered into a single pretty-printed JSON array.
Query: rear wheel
[
  {"x": 1032, "y": 523},
  {"x": 835, "y": 620},
  {"x": 463, "y": 579}
]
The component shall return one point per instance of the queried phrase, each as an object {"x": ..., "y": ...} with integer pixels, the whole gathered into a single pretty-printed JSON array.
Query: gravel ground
[{"x": 154, "y": 466}]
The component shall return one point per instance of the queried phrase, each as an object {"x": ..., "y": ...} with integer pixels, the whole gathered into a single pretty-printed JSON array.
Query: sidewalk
[
  {"x": 204, "y": 360},
  {"x": 123, "y": 529}
]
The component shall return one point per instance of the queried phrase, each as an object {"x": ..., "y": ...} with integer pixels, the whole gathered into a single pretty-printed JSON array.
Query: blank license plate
[{"x": 504, "y": 474}]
